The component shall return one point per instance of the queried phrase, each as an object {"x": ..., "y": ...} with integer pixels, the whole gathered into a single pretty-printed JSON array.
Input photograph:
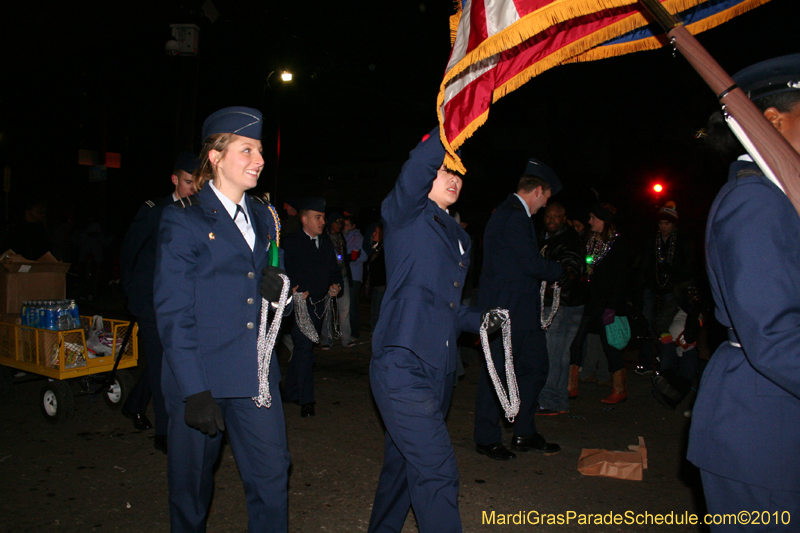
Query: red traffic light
[{"x": 658, "y": 188}]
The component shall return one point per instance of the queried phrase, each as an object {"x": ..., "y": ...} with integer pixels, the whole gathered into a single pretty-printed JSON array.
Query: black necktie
[{"x": 239, "y": 210}]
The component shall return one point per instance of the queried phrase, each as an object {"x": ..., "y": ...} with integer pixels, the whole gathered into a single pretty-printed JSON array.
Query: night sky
[{"x": 94, "y": 75}]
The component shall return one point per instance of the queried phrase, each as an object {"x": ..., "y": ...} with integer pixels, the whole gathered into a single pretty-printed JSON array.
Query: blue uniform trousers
[
  {"x": 529, "y": 349},
  {"x": 149, "y": 383},
  {"x": 298, "y": 386},
  {"x": 258, "y": 439},
  {"x": 419, "y": 466},
  {"x": 774, "y": 507}
]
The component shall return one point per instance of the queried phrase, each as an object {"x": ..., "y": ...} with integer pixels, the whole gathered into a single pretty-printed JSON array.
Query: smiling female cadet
[{"x": 211, "y": 249}]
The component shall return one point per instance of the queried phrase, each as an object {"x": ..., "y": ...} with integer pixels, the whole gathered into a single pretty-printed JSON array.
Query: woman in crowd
[{"x": 607, "y": 267}]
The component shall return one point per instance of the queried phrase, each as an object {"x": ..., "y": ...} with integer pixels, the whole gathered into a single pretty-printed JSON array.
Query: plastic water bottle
[
  {"x": 41, "y": 315},
  {"x": 76, "y": 316},
  {"x": 64, "y": 315},
  {"x": 32, "y": 314},
  {"x": 52, "y": 316}
]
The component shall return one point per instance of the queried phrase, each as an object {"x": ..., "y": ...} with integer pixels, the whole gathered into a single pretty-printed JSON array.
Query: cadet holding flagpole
[{"x": 414, "y": 345}]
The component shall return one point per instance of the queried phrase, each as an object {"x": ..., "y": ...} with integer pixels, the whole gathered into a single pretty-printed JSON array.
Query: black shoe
[
  {"x": 140, "y": 422},
  {"x": 534, "y": 443},
  {"x": 306, "y": 410},
  {"x": 663, "y": 385},
  {"x": 498, "y": 452},
  {"x": 663, "y": 400},
  {"x": 160, "y": 443}
]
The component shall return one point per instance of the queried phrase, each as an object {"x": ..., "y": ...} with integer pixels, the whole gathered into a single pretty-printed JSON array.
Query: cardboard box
[
  {"x": 617, "y": 464},
  {"x": 22, "y": 279}
]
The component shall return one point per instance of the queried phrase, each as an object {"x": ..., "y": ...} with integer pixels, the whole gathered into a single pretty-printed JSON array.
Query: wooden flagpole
[{"x": 775, "y": 151}]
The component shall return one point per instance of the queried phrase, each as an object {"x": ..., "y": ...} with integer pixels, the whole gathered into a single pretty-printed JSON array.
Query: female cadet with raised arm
[
  {"x": 212, "y": 248},
  {"x": 414, "y": 345}
]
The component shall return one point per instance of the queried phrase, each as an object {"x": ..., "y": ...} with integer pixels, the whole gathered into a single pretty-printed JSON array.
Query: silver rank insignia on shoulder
[{"x": 211, "y": 236}]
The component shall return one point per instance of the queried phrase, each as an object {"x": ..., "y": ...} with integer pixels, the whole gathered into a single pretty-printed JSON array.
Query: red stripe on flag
[
  {"x": 478, "y": 32},
  {"x": 474, "y": 100}
]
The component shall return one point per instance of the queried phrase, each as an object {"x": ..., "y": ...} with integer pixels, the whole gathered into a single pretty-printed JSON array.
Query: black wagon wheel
[
  {"x": 119, "y": 389},
  {"x": 58, "y": 403}
]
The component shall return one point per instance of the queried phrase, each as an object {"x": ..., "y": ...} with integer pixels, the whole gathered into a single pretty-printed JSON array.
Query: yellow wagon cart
[{"x": 70, "y": 366}]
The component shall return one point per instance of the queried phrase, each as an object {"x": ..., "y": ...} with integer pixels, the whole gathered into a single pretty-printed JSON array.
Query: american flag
[{"x": 498, "y": 45}]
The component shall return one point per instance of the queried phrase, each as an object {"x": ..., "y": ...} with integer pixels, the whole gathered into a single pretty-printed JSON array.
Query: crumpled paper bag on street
[{"x": 616, "y": 464}]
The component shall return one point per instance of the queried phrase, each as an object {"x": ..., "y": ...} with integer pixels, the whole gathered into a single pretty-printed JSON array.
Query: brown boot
[
  {"x": 572, "y": 385},
  {"x": 620, "y": 392}
]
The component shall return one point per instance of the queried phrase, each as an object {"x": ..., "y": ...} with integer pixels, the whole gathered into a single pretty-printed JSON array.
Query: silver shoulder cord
[
  {"x": 509, "y": 402},
  {"x": 266, "y": 343}
]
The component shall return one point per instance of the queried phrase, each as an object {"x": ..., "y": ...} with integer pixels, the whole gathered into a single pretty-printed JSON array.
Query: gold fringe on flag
[
  {"x": 655, "y": 42},
  {"x": 585, "y": 49}
]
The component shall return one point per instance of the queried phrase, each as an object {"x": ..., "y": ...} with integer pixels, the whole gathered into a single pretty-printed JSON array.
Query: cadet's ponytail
[{"x": 205, "y": 171}]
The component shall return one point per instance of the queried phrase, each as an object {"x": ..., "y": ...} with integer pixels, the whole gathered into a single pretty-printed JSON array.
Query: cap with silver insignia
[
  {"x": 244, "y": 121},
  {"x": 773, "y": 76}
]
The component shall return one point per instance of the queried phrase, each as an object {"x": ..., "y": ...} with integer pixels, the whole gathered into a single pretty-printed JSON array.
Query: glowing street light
[{"x": 286, "y": 76}]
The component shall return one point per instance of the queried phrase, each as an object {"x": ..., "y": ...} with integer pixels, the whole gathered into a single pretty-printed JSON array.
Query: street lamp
[{"x": 286, "y": 77}]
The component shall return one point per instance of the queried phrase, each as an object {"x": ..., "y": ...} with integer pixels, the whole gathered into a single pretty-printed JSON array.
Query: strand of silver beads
[
  {"x": 556, "y": 302},
  {"x": 510, "y": 401},
  {"x": 266, "y": 343},
  {"x": 303, "y": 319}
]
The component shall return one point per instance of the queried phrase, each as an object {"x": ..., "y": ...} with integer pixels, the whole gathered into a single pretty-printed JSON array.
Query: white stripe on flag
[{"x": 500, "y": 14}]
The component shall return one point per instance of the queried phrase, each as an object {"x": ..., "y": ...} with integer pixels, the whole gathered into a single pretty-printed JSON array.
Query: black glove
[
  {"x": 271, "y": 283},
  {"x": 495, "y": 320},
  {"x": 203, "y": 413}
]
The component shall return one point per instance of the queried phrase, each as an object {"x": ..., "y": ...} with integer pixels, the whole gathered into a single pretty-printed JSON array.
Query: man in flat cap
[
  {"x": 512, "y": 271},
  {"x": 138, "y": 266},
  {"x": 314, "y": 270},
  {"x": 666, "y": 263},
  {"x": 744, "y": 435}
]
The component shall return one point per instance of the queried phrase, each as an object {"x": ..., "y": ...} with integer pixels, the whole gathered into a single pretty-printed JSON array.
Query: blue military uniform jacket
[
  {"x": 427, "y": 256},
  {"x": 138, "y": 258},
  {"x": 310, "y": 268},
  {"x": 512, "y": 265},
  {"x": 745, "y": 420},
  {"x": 207, "y": 296}
]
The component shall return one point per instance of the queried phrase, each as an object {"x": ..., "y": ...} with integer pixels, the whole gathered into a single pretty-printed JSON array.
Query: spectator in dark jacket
[
  {"x": 607, "y": 269},
  {"x": 563, "y": 244},
  {"x": 667, "y": 262},
  {"x": 376, "y": 275}
]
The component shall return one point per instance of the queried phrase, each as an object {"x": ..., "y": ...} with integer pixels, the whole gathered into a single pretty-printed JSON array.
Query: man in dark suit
[
  {"x": 314, "y": 270},
  {"x": 512, "y": 271},
  {"x": 138, "y": 264},
  {"x": 414, "y": 346}
]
